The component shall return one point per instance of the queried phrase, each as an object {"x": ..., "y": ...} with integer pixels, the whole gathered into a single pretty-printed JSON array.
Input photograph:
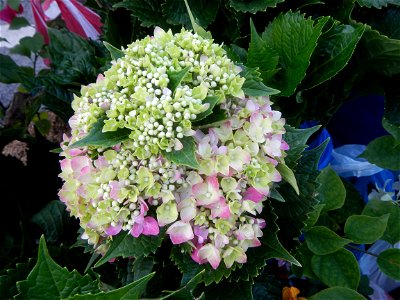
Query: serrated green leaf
[
  {"x": 288, "y": 175},
  {"x": 176, "y": 77},
  {"x": 321, "y": 240},
  {"x": 186, "y": 156},
  {"x": 365, "y": 229},
  {"x": 386, "y": 22},
  {"x": 297, "y": 139},
  {"x": 294, "y": 38},
  {"x": 389, "y": 263},
  {"x": 337, "y": 293},
  {"x": 203, "y": 11},
  {"x": 52, "y": 219},
  {"x": 260, "y": 55},
  {"x": 125, "y": 245},
  {"x": 96, "y": 137},
  {"x": 378, "y": 208},
  {"x": 377, "y": 3},
  {"x": 48, "y": 280},
  {"x": 114, "y": 52},
  {"x": 131, "y": 291},
  {"x": 149, "y": 12},
  {"x": 196, "y": 27},
  {"x": 186, "y": 292},
  {"x": 253, "y": 85},
  {"x": 333, "y": 52},
  {"x": 337, "y": 269},
  {"x": 331, "y": 191},
  {"x": 212, "y": 100},
  {"x": 384, "y": 152},
  {"x": 381, "y": 54},
  {"x": 18, "y": 22},
  {"x": 8, "y": 280},
  {"x": 253, "y": 6}
]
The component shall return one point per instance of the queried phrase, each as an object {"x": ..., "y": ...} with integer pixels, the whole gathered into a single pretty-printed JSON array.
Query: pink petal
[
  {"x": 40, "y": 20},
  {"x": 7, "y": 14},
  {"x": 253, "y": 195},
  {"x": 136, "y": 230},
  {"x": 210, "y": 253},
  {"x": 51, "y": 9},
  {"x": 150, "y": 226},
  {"x": 115, "y": 188},
  {"x": 80, "y": 19},
  {"x": 213, "y": 183},
  {"x": 180, "y": 232},
  {"x": 113, "y": 230},
  {"x": 199, "y": 189}
]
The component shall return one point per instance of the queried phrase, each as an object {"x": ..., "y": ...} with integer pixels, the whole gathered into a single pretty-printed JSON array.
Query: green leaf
[
  {"x": 18, "y": 22},
  {"x": 393, "y": 129},
  {"x": 176, "y": 77},
  {"x": 48, "y": 280},
  {"x": 52, "y": 219},
  {"x": 131, "y": 291},
  {"x": 212, "y": 100},
  {"x": 29, "y": 44},
  {"x": 389, "y": 263},
  {"x": 10, "y": 277},
  {"x": 304, "y": 255},
  {"x": 297, "y": 139},
  {"x": 377, "y": 3},
  {"x": 142, "y": 266},
  {"x": 186, "y": 156},
  {"x": 253, "y": 85},
  {"x": 294, "y": 38},
  {"x": 353, "y": 205},
  {"x": 381, "y": 54},
  {"x": 218, "y": 115},
  {"x": 14, "y": 4},
  {"x": 333, "y": 52},
  {"x": 204, "y": 12},
  {"x": 253, "y": 6},
  {"x": 337, "y": 269},
  {"x": 331, "y": 191},
  {"x": 260, "y": 55},
  {"x": 314, "y": 215},
  {"x": 321, "y": 240},
  {"x": 386, "y": 22},
  {"x": 241, "y": 290},
  {"x": 186, "y": 292},
  {"x": 9, "y": 70},
  {"x": 288, "y": 176},
  {"x": 197, "y": 28},
  {"x": 337, "y": 293},
  {"x": 378, "y": 208},
  {"x": 125, "y": 245},
  {"x": 149, "y": 12},
  {"x": 365, "y": 229},
  {"x": 383, "y": 152},
  {"x": 96, "y": 137},
  {"x": 115, "y": 52}
]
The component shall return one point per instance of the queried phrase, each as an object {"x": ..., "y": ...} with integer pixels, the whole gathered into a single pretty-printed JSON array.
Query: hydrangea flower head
[{"x": 154, "y": 97}]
